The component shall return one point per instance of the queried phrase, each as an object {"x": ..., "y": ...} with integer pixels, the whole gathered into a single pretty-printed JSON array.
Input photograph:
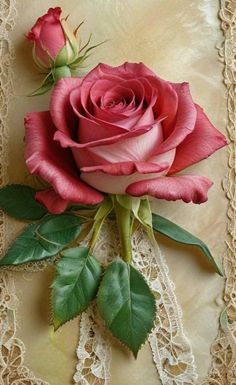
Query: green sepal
[
  {"x": 140, "y": 208},
  {"x": 65, "y": 56},
  {"x": 45, "y": 86},
  {"x": 145, "y": 213},
  {"x": 71, "y": 41},
  {"x": 129, "y": 203},
  {"x": 27, "y": 248},
  {"x": 177, "y": 233},
  {"x": 61, "y": 72},
  {"x": 18, "y": 201},
  {"x": 85, "y": 55},
  {"x": 40, "y": 63},
  {"x": 126, "y": 304},
  {"x": 75, "y": 284}
]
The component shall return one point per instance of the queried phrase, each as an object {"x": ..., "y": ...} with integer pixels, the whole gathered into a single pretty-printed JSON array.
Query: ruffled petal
[
  {"x": 189, "y": 188},
  {"x": 45, "y": 158},
  {"x": 201, "y": 143},
  {"x": 65, "y": 140},
  {"x": 185, "y": 119},
  {"x": 52, "y": 201},
  {"x": 125, "y": 71},
  {"x": 139, "y": 148},
  {"x": 62, "y": 113},
  {"x": 127, "y": 168}
]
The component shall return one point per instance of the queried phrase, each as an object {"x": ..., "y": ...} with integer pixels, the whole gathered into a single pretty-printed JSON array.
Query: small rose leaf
[
  {"x": 126, "y": 304},
  {"x": 59, "y": 229},
  {"x": 27, "y": 248},
  {"x": 18, "y": 201},
  {"x": 177, "y": 233},
  {"x": 75, "y": 285}
]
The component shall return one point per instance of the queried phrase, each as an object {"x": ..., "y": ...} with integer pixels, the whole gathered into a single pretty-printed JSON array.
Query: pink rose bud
[
  {"x": 56, "y": 48},
  {"x": 48, "y": 37}
]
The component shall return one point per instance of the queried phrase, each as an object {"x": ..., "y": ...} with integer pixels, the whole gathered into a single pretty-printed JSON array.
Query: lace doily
[
  {"x": 94, "y": 353},
  {"x": 223, "y": 369}
]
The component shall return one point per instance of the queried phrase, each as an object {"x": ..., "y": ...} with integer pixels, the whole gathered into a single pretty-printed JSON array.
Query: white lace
[
  {"x": 171, "y": 350},
  {"x": 223, "y": 350},
  {"x": 93, "y": 352},
  {"x": 12, "y": 368}
]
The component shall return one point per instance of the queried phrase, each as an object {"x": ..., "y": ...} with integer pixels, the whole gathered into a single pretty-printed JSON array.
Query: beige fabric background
[{"x": 177, "y": 39}]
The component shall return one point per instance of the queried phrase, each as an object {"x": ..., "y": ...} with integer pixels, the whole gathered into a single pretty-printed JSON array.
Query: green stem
[
  {"x": 103, "y": 211},
  {"x": 61, "y": 72},
  {"x": 124, "y": 223}
]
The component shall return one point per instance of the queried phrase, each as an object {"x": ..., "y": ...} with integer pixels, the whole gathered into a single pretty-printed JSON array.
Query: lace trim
[
  {"x": 12, "y": 368},
  {"x": 171, "y": 350},
  {"x": 223, "y": 369},
  {"x": 93, "y": 352}
]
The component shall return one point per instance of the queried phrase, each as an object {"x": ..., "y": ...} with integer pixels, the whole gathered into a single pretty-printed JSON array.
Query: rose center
[{"x": 116, "y": 103}]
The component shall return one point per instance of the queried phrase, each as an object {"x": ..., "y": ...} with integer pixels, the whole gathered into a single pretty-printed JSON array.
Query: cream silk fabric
[{"x": 178, "y": 40}]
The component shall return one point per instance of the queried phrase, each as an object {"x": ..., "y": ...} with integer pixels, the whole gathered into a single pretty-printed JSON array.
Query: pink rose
[
  {"x": 119, "y": 130},
  {"x": 53, "y": 40}
]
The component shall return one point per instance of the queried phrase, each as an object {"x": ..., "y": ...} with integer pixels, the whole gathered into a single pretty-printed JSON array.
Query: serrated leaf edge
[{"x": 153, "y": 322}]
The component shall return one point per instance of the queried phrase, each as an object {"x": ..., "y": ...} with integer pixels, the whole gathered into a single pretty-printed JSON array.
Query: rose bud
[{"x": 55, "y": 49}]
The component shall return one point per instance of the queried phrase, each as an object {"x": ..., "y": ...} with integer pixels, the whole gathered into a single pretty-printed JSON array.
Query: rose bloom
[
  {"x": 50, "y": 35},
  {"x": 119, "y": 130}
]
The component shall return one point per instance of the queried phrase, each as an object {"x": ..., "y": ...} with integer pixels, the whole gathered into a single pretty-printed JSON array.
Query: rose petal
[
  {"x": 185, "y": 119},
  {"x": 53, "y": 15},
  {"x": 61, "y": 111},
  {"x": 115, "y": 184},
  {"x": 166, "y": 104},
  {"x": 189, "y": 188},
  {"x": 127, "y": 168},
  {"x": 139, "y": 148},
  {"x": 201, "y": 143},
  {"x": 48, "y": 32},
  {"x": 45, "y": 158},
  {"x": 125, "y": 70},
  {"x": 66, "y": 141},
  {"x": 140, "y": 116},
  {"x": 89, "y": 129},
  {"x": 54, "y": 203}
]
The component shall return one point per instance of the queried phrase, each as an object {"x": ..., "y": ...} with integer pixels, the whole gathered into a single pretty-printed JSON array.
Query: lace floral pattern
[
  {"x": 223, "y": 369},
  {"x": 12, "y": 368},
  {"x": 171, "y": 350},
  {"x": 93, "y": 352}
]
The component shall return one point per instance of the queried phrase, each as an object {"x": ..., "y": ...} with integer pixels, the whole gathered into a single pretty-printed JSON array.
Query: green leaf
[
  {"x": 18, "y": 201},
  {"x": 59, "y": 229},
  {"x": 27, "y": 248},
  {"x": 82, "y": 207},
  {"x": 75, "y": 285},
  {"x": 126, "y": 304},
  {"x": 177, "y": 233}
]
